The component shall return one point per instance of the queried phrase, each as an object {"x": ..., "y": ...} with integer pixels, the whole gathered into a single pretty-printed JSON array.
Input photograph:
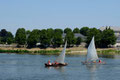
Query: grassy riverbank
[
  {"x": 39, "y": 52},
  {"x": 109, "y": 52},
  {"x": 56, "y": 51}
]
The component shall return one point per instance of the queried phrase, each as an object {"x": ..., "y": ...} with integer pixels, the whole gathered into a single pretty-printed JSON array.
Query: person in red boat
[
  {"x": 49, "y": 62},
  {"x": 56, "y": 62},
  {"x": 100, "y": 61}
]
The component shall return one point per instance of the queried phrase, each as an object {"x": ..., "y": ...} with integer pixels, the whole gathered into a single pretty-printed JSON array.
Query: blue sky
[{"x": 43, "y": 14}]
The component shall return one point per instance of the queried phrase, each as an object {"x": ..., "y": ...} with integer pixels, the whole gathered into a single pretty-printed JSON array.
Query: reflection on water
[
  {"x": 60, "y": 69},
  {"x": 92, "y": 67}
]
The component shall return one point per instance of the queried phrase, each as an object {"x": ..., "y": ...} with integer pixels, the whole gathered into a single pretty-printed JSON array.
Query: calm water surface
[{"x": 31, "y": 67}]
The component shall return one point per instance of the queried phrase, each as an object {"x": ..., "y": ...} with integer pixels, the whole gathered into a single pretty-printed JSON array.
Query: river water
[{"x": 31, "y": 67}]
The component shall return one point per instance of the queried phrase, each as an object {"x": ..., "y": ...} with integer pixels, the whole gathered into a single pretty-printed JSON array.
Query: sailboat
[
  {"x": 92, "y": 56},
  {"x": 60, "y": 59}
]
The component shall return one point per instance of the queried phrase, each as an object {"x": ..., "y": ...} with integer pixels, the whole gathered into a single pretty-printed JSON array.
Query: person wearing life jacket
[
  {"x": 49, "y": 62},
  {"x": 94, "y": 61},
  {"x": 56, "y": 62},
  {"x": 100, "y": 61}
]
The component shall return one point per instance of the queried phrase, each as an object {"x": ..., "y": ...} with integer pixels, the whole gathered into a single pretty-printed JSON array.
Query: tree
[
  {"x": 0, "y": 39},
  {"x": 70, "y": 39},
  {"x": 96, "y": 33},
  {"x": 28, "y": 33},
  {"x": 3, "y": 35},
  {"x": 76, "y": 30},
  {"x": 33, "y": 38},
  {"x": 44, "y": 38},
  {"x": 108, "y": 38},
  {"x": 9, "y": 34},
  {"x": 57, "y": 39},
  {"x": 20, "y": 36},
  {"x": 84, "y": 31},
  {"x": 59, "y": 31},
  {"x": 10, "y": 38},
  {"x": 50, "y": 33},
  {"x": 66, "y": 30},
  {"x": 6, "y": 37},
  {"x": 78, "y": 41}
]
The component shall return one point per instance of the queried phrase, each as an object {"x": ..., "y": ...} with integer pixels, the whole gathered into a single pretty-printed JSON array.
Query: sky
[{"x": 43, "y": 14}]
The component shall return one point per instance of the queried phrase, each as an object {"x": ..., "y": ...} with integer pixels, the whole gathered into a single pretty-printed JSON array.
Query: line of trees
[{"x": 53, "y": 37}]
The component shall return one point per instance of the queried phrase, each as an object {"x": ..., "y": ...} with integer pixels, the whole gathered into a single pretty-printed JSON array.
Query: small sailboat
[
  {"x": 92, "y": 57},
  {"x": 60, "y": 59}
]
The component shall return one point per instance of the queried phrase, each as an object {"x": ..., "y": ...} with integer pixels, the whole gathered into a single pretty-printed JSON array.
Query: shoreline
[{"x": 57, "y": 51}]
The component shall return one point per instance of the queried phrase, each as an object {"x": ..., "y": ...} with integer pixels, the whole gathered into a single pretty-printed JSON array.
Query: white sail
[
  {"x": 91, "y": 52},
  {"x": 61, "y": 57}
]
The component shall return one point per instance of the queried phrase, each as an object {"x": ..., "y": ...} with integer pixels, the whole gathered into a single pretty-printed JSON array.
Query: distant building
[
  {"x": 117, "y": 34},
  {"x": 115, "y": 29},
  {"x": 76, "y": 35}
]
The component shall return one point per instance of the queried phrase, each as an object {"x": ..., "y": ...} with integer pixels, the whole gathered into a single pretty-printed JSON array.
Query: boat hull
[{"x": 56, "y": 65}]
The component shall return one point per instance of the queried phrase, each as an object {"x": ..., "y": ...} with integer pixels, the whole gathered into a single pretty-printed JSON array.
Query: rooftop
[
  {"x": 76, "y": 35},
  {"x": 114, "y": 28}
]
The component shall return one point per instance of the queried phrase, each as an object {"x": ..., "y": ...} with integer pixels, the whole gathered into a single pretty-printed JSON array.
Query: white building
[{"x": 115, "y": 29}]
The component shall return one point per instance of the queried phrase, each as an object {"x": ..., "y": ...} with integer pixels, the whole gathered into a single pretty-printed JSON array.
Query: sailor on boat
[
  {"x": 100, "y": 61},
  {"x": 49, "y": 62},
  {"x": 60, "y": 59},
  {"x": 56, "y": 62}
]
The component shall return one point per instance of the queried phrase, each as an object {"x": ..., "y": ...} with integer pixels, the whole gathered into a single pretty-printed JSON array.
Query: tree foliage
[
  {"x": 102, "y": 38},
  {"x": 28, "y": 33},
  {"x": 84, "y": 31},
  {"x": 108, "y": 38},
  {"x": 59, "y": 31},
  {"x": 54, "y": 37},
  {"x": 10, "y": 38},
  {"x": 44, "y": 38},
  {"x": 50, "y": 33},
  {"x": 78, "y": 41},
  {"x": 71, "y": 40},
  {"x": 20, "y": 36},
  {"x": 6, "y": 37},
  {"x": 96, "y": 33},
  {"x": 33, "y": 38},
  {"x": 66, "y": 30},
  {"x": 3, "y": 35},
  {"x": 76, "y": 30},
  {"x": 57, "y": 39}
]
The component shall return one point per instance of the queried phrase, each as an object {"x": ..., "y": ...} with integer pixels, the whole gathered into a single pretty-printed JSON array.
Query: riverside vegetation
[
  {"x": 101, "y": 52},
  {"x": 57, "y": 37},
  {"x": 54, "y": 38}
]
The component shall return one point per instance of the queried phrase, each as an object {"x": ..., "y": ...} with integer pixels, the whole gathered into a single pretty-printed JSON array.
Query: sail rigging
[
  {"x": 61, "y": 57},
  {"x": 91, "y": 52}
]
